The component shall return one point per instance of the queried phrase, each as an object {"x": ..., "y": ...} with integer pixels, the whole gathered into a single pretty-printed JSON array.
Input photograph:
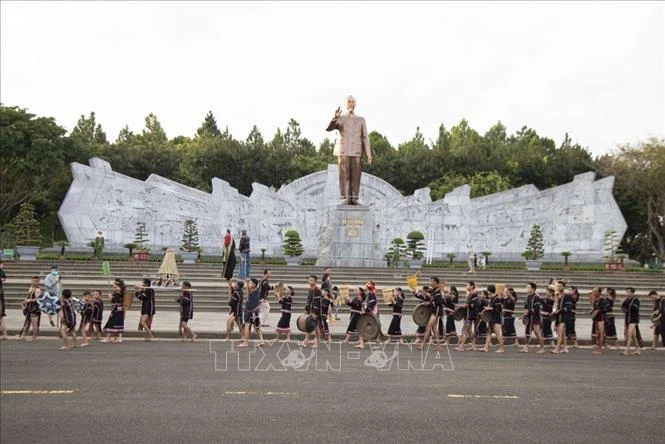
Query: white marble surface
[{"x": 574, "y": 216}]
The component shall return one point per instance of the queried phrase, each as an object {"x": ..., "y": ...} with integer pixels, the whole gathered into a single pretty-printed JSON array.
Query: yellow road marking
[
  {"x": 485, "y": 396},
  {"x": 36, "y": 392}
]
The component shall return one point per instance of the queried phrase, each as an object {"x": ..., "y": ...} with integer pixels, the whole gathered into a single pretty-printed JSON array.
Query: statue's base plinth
[{"x": 350, "y": 239}]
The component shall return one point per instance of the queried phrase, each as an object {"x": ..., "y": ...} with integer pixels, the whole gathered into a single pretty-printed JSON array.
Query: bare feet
[{"x": 500, "y": 351}]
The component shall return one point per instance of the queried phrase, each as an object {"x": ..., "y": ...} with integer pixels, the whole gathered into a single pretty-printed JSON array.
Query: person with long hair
[
  {"x": 395, "y": 327},
  {"x": 186, "y": 301},
  {"x": 508, "y": 326},
  {"x": 326, "y": 301},
  {"x": 546, "y": 320},
  {"x": 601, "y": 306},
  {"x": 284, "y": 296},
  {"x": 632, "y": 310},
  {"x": 67, "y": 320},
  {"x": 97, "y": 313},
  {"x": 146, "y": 295},
  {"x": 356, "y": 306},
  {"x": 495, "y": 307},
  {"x": 87, "y": 312},
  {"x": 570, "y": 327},
  {"x": 251, "y": 314},
  {"x": 532, "y": 319},
  {"x": 425, "y": 295},
  {"x": 450, "y": 299},
  {"x": 31, "y": 310},
  {"x": 564, "y": 311},
  {"x": 472, "y": 305},
  {"x": 371, "y": 306},
  {"x": 436, "y": 312},
  {"x": 115, "y": 325},
  {"x": 610, "y": 324},
  {"x": 235, "y": 311}
]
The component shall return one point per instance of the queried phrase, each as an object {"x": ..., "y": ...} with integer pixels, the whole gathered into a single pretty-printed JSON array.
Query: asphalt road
[{"x": 212, "y": 392}]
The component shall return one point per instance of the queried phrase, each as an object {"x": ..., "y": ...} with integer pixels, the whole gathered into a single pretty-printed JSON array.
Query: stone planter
[
  {"x": 293, "y": 260},
  {"x": 533, "y": 265},
  {"x": 189, "y": 257},
  {"x": 26, "y": 253},
  {"x": 142, "y": 256},
  {"x": 415, "y": 263},
  {"x": 614, "y": 266}
]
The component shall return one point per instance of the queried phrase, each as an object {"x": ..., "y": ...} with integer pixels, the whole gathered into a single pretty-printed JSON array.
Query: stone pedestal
[{"x": 350, "y": 238}]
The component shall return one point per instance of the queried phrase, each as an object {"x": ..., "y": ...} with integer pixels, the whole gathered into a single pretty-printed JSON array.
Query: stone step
[{"x": 214, "y": 270}]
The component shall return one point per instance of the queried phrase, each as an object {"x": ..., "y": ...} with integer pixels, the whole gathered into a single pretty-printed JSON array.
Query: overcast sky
[{"x": 594, "y": 70}]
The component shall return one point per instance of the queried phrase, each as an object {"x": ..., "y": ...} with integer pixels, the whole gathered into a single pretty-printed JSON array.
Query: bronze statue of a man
[{"x": 352, "y": 143}]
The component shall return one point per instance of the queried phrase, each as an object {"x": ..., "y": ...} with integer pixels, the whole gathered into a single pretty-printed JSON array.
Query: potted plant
[
  {"x": 292, "y": 247},
  {"x": 534, "y": 249},
  {"x": 141, "y": 253},
  {"x": 190, "y": 242},
  {"x": 26, "y": 233},
  {"x": 566, "y": 255},
  {"x": 611, "y": 252},
  {"x": 396, "y": 251},
  {"x": 63, "y": 245},
  {"x": 451, "y": 256},
  {"x": 131, "y": 247},
  {"x": 486, "y": 255},
  {"x": 415, "y": 248}
]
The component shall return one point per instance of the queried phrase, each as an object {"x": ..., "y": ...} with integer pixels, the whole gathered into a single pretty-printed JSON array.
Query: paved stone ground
[{"x": 168, "y": 391}]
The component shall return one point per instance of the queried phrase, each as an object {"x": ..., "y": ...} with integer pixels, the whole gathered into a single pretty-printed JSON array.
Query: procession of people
[{"x": 487, "y": 315}]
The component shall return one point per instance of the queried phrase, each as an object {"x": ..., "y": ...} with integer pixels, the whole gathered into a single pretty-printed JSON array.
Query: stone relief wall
[{"x": 574, "y": 216}]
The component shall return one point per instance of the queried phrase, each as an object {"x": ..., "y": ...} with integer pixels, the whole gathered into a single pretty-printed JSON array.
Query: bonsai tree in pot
[
  {"x": 566, "y": 255},
  {"x": 486, "y": 259},
  {"x": 534, "y": 249},
  {"x": 396, "y": 251},
  {"x": 142, "y": 253},
  {"x": 415, "y": 248},
  {"x": 26, "y": 232},
  {"x": 190, "y": 242},
  {"x": 292, "y": 247},
  {"x": 131, "y": 247},
  {"x": 612, "y": 252}
]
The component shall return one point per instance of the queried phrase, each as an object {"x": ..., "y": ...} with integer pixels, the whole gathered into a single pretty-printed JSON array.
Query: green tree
[
  {"x": 639, "y": 173},
  {"x": 34, "y": 151},
  {"x": 292, "y": 244},
  {"x": 88, "y": 131},
  {"x": 415, "y": 160},
  {"x": 209, "y": 127},
  {"x": 481, "y": 183},
  {"x": 25, "y": 227},
  {"x": 190, "y": 236},
  {"x": 535, "y": 245}
]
